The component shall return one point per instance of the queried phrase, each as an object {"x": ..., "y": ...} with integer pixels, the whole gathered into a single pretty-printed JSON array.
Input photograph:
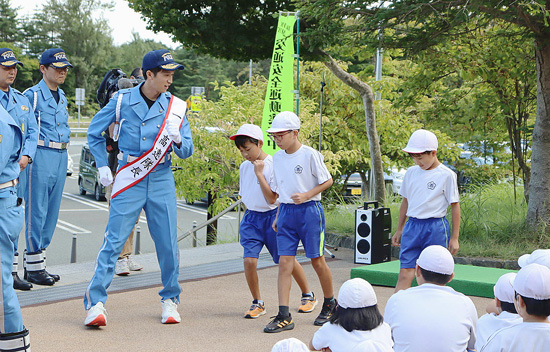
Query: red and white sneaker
[
  {"x": 170, "y": 313},
  {"x": 96, "y": 316}
]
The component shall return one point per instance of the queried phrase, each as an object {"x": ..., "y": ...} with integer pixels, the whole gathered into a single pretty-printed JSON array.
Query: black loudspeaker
[{"x": 372, "y": 234}]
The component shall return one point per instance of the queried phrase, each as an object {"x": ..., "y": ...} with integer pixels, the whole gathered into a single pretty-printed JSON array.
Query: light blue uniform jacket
[
  {"x": 155, "y": 193},
  {"x": 11, "y": 221},
  {"x": 47, "y": 173}
]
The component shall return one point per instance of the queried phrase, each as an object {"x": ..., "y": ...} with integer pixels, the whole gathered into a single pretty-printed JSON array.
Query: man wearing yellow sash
[{"x": 150, "y": 123}]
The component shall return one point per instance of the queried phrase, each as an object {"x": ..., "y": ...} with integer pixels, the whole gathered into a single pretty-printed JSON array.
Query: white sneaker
[
  {"x": 133, "y": 265},
  {"x": 121, "y": 267},
  {"x": 96, "y": 316},
  {"x": 170, "y": 313}
]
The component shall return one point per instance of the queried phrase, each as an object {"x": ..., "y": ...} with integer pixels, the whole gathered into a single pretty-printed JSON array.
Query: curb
[{"x": 347, "y": 241}]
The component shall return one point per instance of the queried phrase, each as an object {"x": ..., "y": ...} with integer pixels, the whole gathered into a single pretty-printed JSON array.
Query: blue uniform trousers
[
  {"x": 21, "y": 193},
  {"x": 11, "y": 222},
  {"x": 156, "y": 195},
  {"x": 42, "y": 201}
]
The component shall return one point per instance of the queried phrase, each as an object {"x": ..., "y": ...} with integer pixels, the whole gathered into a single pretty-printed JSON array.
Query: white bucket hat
[
  {"x": 284, "y": 121},
  {"x": 437, "y": 259},
  {"x": 421, "y": 141}
]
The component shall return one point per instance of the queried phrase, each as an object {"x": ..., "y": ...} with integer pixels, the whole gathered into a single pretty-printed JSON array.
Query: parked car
[
  {"x": 88, "y": 175},
  {"x": 70, "y": 164},
  {"x": 392, "y": 181}
]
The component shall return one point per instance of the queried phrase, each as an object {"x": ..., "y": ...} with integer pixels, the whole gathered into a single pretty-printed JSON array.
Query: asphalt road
[{"x": 86, "y": 218}]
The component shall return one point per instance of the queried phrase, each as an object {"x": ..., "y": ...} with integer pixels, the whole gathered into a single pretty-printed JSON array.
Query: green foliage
[
  {"x": 238, "y": 30},
  {"x": 9, "y": 27}
]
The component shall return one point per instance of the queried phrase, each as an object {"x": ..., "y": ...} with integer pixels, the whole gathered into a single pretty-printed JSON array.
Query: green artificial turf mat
[{"x": 470, "y": 280}]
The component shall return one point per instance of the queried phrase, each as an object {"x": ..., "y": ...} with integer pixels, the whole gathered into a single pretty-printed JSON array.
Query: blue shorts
[
  {"x": 301, "y": 222},
  {"x": 419, "y": 234},
  {"x": 256, "y": 231}
]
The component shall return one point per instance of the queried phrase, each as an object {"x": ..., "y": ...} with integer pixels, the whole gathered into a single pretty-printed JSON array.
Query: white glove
[
  {"x": 105, "y": 176},
  {"x": 173, "y": 129}
]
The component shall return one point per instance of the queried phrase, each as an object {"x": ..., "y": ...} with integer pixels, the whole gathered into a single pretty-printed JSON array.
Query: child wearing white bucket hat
[
  {"x": 532, "y": 300},
  {"x": 356, "y": 321},
  {"x": 428, "y": 189},
  {"x": 506, "y": 314},
  {"x": 258, "y": 191},
  {"x": 432, "y": 317}
]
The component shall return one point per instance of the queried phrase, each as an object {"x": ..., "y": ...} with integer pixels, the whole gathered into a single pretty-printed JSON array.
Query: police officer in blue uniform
[
  {"x": 13, "y": 335},
  {"x": 49, "y": 168},
  {"x": 142, "y": 115},
  {"x": 18, "y": 106}
]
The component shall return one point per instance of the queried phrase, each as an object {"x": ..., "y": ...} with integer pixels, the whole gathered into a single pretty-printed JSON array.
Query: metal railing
[{"x": 196, "y": 228}]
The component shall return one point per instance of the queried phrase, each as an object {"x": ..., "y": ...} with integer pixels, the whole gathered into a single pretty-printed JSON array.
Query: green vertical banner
[{"x": 279, "y": 95}]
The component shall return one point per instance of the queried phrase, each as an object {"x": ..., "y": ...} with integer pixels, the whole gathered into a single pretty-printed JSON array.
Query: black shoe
[
  {"x": 280, "y": 323},
  {"x": 20, "y": 284},
  {"x": 39, "y": 277},
  {"x": 326, "y": 312},
  {"x": 54, "y": 276}
]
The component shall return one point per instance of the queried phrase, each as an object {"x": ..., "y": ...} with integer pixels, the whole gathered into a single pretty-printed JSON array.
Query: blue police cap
[
  {"x": 55, "y": 57},
  {"x": 160, "y": 58},
  {"x": 7, "y": 58}
]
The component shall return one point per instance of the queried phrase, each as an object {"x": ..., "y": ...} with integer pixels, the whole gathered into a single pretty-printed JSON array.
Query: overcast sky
[{"x": 123, "y": 20}]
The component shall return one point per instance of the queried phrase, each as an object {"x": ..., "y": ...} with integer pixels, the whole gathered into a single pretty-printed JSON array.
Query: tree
[
  {"x": 479, "y": 93},
  {"x": 9, "y": 26},
  {"x": 417, "y": 25},
  {"x": 71, "y": 25},
  {"x": 243, "y": 30}
]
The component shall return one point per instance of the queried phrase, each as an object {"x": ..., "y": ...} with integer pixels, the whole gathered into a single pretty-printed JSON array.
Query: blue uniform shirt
[
  {"x": 139, "y": 127},
  {"x": 11, "y": 138},
  {"x": 54, "y": 117},
  {"x": 20, "y": 109}
]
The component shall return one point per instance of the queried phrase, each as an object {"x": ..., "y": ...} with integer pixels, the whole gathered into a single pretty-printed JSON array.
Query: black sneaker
[
  {"x": 326, "y": 313},
  {"x": 280, "y": 323}
]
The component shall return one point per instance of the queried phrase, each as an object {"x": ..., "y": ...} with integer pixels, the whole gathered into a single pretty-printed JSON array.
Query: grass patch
[{"x": 492, "y": 222}]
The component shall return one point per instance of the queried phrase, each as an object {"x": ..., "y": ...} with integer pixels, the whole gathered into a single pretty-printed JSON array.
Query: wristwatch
[{"x": 30, "y": 159}]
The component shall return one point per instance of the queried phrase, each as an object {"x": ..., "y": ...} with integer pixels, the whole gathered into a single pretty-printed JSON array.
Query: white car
[{"x": 69, "y": 165}]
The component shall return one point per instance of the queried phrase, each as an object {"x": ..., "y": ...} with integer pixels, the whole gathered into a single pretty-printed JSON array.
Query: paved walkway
[{"x": 214, "y": 298}]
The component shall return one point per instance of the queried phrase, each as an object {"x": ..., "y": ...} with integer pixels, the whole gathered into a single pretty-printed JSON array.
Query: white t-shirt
[
  {"x": 429, "y": 192},
  {"x": 524, "y": 337},
  {"x": 249, "y": 186},
  {"x": 488, "y": 324},
  {"x": 341, "y": 340},
  {"x": 299, "y": 172},
  {"x": 431, "y": 318}
]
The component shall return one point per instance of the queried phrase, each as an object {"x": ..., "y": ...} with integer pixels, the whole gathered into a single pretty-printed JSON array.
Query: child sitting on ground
[
  {"x": 355, "y": 321},
  {"x": 506, "y": 314},
  {"x": 532, "y": 301}
]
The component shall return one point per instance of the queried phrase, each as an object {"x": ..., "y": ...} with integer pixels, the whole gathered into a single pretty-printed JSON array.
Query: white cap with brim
[
  {"x": 421, "y": 141},
  {"x": 356, "y": 293},
  {"x": 539, "y": 256},
  {"x": 249, "y": 130},
  {"x": 284, "y": 121},
  {"x": 504, "y": 288},
  {"x": 533, "y": 281},
  {"x": 437, "y": 259},
  {"x": 290, "y": 345}
]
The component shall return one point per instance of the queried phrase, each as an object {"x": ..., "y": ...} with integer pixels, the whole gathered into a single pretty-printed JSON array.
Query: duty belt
[
  {"x": 53, "y": 145},
  {"x": 130, "y": 158},
  {"x": 11, "y": 183}
]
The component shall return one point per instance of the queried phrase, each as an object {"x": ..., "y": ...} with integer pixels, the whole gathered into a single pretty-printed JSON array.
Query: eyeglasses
[
  {"x": 418, "y": 155},
  {"x": 278, "y": 137}
]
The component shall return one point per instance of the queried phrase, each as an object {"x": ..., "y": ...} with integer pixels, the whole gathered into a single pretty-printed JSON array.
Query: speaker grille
[{"x": 363, "y": 246}]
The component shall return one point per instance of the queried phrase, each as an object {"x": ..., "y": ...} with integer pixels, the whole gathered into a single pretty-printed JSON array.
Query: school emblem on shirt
[
  {"x": 24, "y": 108},
  {"x": 298, "y": 169},
  {"x": 431, "y": 185}
]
